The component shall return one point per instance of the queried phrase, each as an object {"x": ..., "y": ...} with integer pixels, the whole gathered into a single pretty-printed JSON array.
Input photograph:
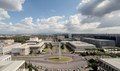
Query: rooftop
[
  {"x": 98, "y": 39},
  {"x": 10, "y": 65},
  {"x": 21, "y": 46},
  {"x": 79, "y": 43},
  {"x": 112, "y": 61},
  {"x": 2, "y": 57}
]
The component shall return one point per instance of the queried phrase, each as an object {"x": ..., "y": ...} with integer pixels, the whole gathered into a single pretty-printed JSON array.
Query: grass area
[
  {"x": 62, "y": 59},
  {"x": 46, "y": 49}
]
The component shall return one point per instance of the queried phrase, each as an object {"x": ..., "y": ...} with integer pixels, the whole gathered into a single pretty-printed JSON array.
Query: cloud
[
  {"x": 11, "y": 5},
  {"x": 111, "y": 20},
  {"x": 108, "y": 20},
  {"x": 95, "y": 16},
  {"x": 3, "y": 14},
  {"x": 74, "y": 24},
  {"x": 28, "y": 25},
  {"x": 55, "y": 24},
  {"x": 104, "y": 12},
  {"x": 98, "y": 7}
]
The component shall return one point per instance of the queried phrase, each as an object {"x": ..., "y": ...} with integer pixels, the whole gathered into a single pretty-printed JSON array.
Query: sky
[
  {"x": 45, "y": 9},
  {"x": 59, "y": 16}
]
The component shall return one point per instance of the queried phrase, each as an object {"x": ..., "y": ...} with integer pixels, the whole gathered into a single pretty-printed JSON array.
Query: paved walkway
[{"x": 40, "y": 61}]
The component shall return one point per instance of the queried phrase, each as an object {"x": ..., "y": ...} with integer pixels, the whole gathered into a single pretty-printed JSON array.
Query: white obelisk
[{"x": 60, "y": 50}]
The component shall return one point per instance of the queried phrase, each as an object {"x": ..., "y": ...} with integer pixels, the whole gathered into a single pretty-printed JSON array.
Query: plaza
[
  {"x": 43, "y": 63},
  {"x": 56, "y": 60}
]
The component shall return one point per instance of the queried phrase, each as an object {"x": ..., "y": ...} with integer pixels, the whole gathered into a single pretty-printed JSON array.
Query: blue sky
[
  {"x": 45, "y": 9},
  {"x": 59, "y": 16}
]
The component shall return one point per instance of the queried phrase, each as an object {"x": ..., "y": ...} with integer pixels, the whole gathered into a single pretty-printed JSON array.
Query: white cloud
[
  {"x": 27, "y": 25},
  {"x": 74, "y": 24},
  {"x": 3, "y": 14},
  {"x": 55, "y": 24},
  {"x": 111, "y": 20},
  {"x": 105, "y": 12},
  {"x": 11, "y": 5},
  {"x": 27, "y": 21},
  {"x": 98, "y": 7},
  {"x": 95, "y": 16}
]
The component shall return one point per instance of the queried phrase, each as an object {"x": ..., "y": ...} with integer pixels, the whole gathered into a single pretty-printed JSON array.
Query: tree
[
  {"x": 30, "y": 67},
  {"x": 93, "y": 64},
  {"x": 46, "y": 45},
  {"x": 21, "y": 39},
  {"x": 26, "y": 65},
  {"x": 62, "y": 46},
  {"x": 51, "y": 46}
]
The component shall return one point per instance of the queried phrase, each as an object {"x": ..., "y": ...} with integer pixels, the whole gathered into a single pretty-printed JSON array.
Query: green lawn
[{"x": 62, "y": 59}]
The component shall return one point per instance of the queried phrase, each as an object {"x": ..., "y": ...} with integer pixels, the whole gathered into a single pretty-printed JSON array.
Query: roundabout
[
  {"x": 61, "y": 59},
  {"x": 68, "y": 62}
]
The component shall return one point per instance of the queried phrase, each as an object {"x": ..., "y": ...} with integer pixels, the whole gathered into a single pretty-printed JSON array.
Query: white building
[
  {"x": 7, "y": 41},
  {"x": 112, "y": 50},
  {"x": 6, "y": 48},
  {"x": 35, "y": 47},
  {"x": 6, "y": 45},
  {"x": 79, "y": 46},
  {"x": 35, "y": 44},
  {"x": 20, "y": 49},
  {"x": 7, "y": 65},
  {"x": 34, "y": 39},
  {"x": 109, "y": 64},
  {"x": 12, "y": 66},
  {"x": 5, "y": 58}
]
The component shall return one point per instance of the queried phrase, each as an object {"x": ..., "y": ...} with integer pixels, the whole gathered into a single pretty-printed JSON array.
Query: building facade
[{"x": 109, "y": 64}]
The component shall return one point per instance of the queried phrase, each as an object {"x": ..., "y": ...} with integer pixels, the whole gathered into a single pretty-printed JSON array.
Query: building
[
  {"x": 5, "y": 58},
  {"x": 112, "y": 50},
  {"x": 82, "y": 46},
  {"x": 62, "y": 37},
  {"x": 36, "y": 45},
  {"x": 100, "y": 43},
  {"x": 6, "y": 48},
  {"x": 7, "y": 65},
  {"x": 6, "y": 45},
  {"x": 7, "y": 41},
  {"x": 78, "y": 46},
  {"x": 20, "y": 49},
  {"x": 34, "y": 39},
  {"x": 109, "y": 64},
  {"x": 12, "y": 66}
]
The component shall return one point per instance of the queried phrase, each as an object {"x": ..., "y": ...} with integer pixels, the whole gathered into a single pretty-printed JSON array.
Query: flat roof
[
  {"x": 19, "y": 45},
  {"x": 2, "y": 57},
  {"x": 115, "y": 62},
  {"x": 99, "y": 39},
  {"x": 10, "y": 65},
  {"x": 79, "y": 43}
]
